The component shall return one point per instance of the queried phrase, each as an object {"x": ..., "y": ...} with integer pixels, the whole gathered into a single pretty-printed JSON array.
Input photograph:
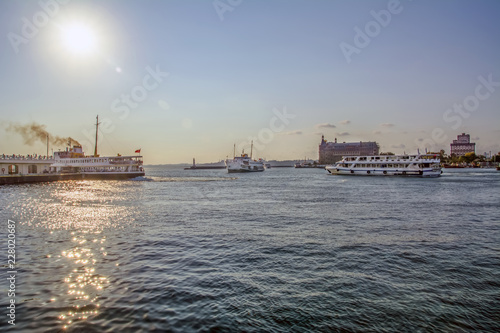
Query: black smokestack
[{"x": 34, "y": 132}]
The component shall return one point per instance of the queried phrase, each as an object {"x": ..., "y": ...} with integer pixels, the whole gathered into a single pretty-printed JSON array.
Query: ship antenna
[
  {"x": 251, "y": 150},
  {"x": 234, "y": 151},
  {"x": 96, "y": 130}
]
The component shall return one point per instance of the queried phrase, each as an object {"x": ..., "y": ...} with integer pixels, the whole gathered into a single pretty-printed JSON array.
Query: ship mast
[
  {"x": 96, "y": 130},
  {"x": 251, "y": 150}
]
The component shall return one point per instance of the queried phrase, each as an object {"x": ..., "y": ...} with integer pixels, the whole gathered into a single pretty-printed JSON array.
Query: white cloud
[
  {"x": 325, "y": 125},
  {"x": 343, "y": 134},
  {"x": 292, "y": 133},
  {"x": 387, "y": 125},
  {"x": 345, "y": 122}
]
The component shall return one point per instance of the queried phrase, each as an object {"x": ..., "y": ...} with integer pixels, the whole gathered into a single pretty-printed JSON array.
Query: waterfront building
[
  {"x": 462, "y": 145},
  {"x": 25, "y": 164},
  {"x": 331, "y": 152}
]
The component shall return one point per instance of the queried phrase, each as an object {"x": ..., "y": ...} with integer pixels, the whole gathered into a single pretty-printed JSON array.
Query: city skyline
[{"x": 184, "y": 79}]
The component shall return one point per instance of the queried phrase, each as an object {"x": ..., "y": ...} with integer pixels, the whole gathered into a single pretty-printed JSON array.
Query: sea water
[{"x": 284, "y": 250}]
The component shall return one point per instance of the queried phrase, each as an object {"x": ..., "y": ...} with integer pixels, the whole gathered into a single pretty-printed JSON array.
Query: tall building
[
  {"x": 331, "y": 152},
  {"x": 462, "y": 145}
]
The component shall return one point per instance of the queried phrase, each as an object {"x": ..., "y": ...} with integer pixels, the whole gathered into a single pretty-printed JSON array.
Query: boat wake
[
  {"x": 182, "y": 179},
  {"x": 141, "y": 179}
]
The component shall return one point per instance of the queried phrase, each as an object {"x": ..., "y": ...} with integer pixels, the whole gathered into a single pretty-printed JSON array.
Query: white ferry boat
[
  {"x": 424, "y": 165},
  {"x": 73, "y": 160},
  {"x": 71, "y": 164},
  {"x": 244, "y": 163}
]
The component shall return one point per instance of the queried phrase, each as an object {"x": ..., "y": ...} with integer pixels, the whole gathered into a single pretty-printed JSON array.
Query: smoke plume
[{"x": 34, "y": 132}]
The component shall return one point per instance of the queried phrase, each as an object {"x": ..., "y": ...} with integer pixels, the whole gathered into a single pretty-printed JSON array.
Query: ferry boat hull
[
  {"x": 383, "y": 172},
  {"x": 387, "y": 165},
  {"x": 242, "y": 168},
  {"x": 111, "y": 175}
]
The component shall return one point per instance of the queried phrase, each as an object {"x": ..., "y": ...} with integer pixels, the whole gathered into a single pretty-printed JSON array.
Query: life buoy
[
  {"x": 385, "y": 172},
  {"x": 352, "y": 171},
  {"x": 368, "y": 172}
]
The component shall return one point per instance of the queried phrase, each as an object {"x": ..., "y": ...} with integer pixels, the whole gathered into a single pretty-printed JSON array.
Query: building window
[
  {"x": 32, "y": 168},
  {"x": 13, "y": 169}
]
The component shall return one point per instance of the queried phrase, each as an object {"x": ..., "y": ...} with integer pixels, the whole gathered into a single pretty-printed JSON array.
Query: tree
[{"x": 469, "y": 157}]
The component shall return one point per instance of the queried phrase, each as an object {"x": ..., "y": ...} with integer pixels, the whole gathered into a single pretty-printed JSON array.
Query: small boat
[
  {"x": 307, "y": 165},
  {"x": 453, "y": 166},
  {"x": 424, "y": 165}
]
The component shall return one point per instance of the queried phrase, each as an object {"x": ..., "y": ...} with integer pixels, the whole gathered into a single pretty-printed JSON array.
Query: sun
[{"x": 79, "y": 39}]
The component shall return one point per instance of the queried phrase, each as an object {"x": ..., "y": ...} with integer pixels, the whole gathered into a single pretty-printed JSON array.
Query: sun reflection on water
[
  {"x": 83, "y": 283},
  {"x": 78, "y": 216}
]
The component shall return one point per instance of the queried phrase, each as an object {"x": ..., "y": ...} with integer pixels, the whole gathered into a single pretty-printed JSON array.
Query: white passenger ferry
[
  {"x": 244, "y": 163},
  {"x": 424, "y": 165},
  {"x": 73, "y": 160}
]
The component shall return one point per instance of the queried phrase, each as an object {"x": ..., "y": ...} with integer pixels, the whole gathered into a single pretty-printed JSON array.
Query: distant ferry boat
[
  {"x": 244, "y": 163},
  {"x": 424, "y": 165}
]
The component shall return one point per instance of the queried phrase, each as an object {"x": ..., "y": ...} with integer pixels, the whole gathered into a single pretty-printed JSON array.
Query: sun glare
[{"x": 79, "y": 39}]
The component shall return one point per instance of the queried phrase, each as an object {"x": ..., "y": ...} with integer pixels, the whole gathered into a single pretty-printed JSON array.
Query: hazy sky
[{"x": 183, "y": 79}]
